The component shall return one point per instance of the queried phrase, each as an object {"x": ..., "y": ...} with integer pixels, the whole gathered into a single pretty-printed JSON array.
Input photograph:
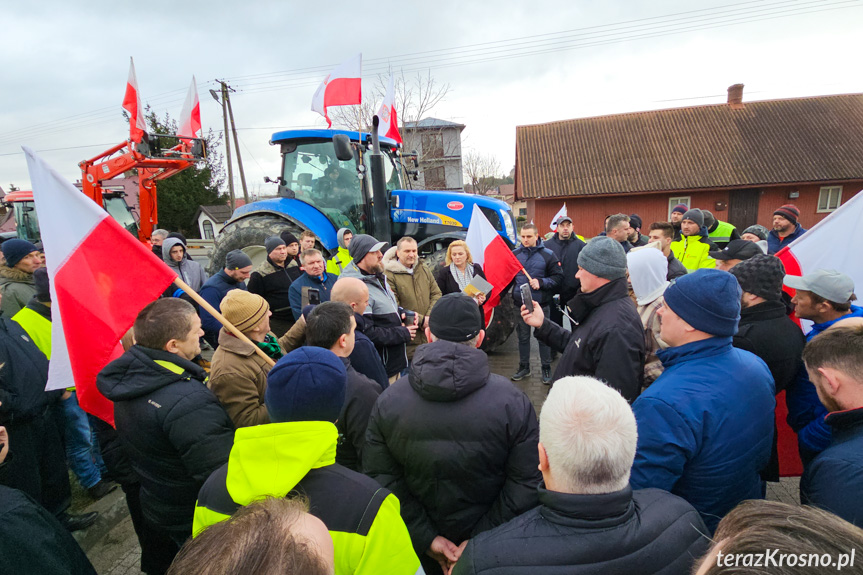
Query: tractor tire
[
  {"x": 247, "y": 232},
  {"x": 503, "y": 319}
]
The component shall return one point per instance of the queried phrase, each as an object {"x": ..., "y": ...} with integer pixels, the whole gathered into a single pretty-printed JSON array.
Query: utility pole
[
  {"x": 227, "y": 143},
  {"x": 225, "y": 90}
]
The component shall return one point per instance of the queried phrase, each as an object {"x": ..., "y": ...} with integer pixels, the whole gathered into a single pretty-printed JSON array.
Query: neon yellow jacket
[
  {"x": 364, "y": 520},
  {"x": 692, "y": 253},
  {"x": 337, "y": 263},
  {"x": 722, "y": 233},
  {"x": 37, "y": 326}
]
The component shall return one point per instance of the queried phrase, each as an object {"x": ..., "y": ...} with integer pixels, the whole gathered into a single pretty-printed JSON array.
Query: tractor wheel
[
  {"x": 249, "y": 235},
  {"x": 503, "y": 319}
]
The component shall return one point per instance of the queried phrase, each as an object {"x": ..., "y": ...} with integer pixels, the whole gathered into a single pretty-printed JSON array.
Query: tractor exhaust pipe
[{"x": 381, "y": 209}]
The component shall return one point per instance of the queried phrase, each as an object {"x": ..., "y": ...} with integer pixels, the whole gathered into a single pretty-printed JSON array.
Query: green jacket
[
  {"x": 278, "y": 459},
  {"x": 693, "y": 253},
  {"x": 337, "y": 263},
  {"x": 17, "y": 288}
]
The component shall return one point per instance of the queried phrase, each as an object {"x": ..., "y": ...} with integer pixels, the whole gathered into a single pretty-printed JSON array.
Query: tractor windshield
[
  {"x": 27, "y": 222},
  {"x": 315, "y": 176}
]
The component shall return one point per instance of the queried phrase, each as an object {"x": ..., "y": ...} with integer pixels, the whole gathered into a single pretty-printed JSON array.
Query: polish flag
[
  {"x": 132, "y": 104},
  {"x": 560, "y": 213},
  {"x": 343, "y": 87},
  {"x": 190, "y": 117},
  {"x": 824, "y": 246},
  {"x": 101, "y": 278},
  {"x": 489, "y": 250},
  {"x": 389, "y": 125}
]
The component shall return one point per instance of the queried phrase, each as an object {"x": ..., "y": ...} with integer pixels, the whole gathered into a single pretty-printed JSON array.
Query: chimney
[{"x": 735, "y": 97}]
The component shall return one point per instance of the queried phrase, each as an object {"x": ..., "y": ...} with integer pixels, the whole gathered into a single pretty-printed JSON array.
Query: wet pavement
[{"x": 113, "y": 549}]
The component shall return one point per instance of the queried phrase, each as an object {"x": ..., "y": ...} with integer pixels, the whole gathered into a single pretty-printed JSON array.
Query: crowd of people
[{"x": 351, "y": 422}]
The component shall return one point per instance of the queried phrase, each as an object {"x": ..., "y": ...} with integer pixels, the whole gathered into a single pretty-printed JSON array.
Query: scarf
[
  {"x": 270, "y": 346},
  {"x": 462, "y": 279}
]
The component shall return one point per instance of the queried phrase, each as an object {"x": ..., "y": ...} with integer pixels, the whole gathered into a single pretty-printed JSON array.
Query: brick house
[
  {"x": 438, "y": 145},
  {"x": 739, "y": 160}
]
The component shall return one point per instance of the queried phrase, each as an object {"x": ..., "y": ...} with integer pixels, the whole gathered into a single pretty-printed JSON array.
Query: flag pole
[{"x": 228, "y": 325}]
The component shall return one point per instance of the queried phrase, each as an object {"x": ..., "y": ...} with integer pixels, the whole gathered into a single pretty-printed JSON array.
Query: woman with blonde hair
[{"x": 458, "y": 271}]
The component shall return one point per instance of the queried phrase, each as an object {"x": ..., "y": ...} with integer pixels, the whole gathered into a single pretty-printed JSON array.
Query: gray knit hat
[
  {"x": 237, "y": 259},
  {"x": 272, "y": 243},
  {"x": 603, "y": 257},
  {"x": 695, "y": 215}
]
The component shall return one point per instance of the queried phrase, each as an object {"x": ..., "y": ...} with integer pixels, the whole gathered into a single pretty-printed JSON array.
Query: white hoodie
[{"x": 647, "y": 271}]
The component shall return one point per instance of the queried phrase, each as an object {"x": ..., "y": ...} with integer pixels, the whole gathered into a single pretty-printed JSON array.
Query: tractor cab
[{"x": 339, "y": 189}]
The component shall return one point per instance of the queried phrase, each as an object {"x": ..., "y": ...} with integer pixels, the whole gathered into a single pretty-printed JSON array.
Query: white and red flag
[
  {"x": 190, "y": 116},
  {"x": 560, "y": 213},
  {"x": 132, "y": 104},
  {"x": 824, "y": 247},
  {"x": 101, "y": 277},
  {"x": 389, "y": 121},
  {"x": 343, "y": 87},
  {"x": 489, "y": 250}
]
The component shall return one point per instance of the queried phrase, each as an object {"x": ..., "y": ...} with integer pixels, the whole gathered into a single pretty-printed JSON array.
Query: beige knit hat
[{"x": 243, "y": 309}]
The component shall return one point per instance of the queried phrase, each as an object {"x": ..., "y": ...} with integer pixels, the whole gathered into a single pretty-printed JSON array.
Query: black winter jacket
[
  {"x": 455, "y": 443},
  {"x": 567, "y": 252},
  {"x": 361, "y": 393},
  {"x": 675, "y": 268},
  {"x": 541, "y": 263},
  {"x": 273, "y": 283},
  {"x": 172, "y": 428},
  {"x": 447, "y": 283},
  {"x": 646, "y": 532},
  {"x": 33, "y": 541},
  {"x": 767, "y": 331},
  {"x": 22, "y": 377},
  {"x": 607, "y": 343}
]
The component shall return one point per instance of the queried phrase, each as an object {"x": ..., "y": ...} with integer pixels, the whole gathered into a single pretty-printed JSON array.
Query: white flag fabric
[
  {"x": 389, "y": 121},
  {"x": 560, "y": 213},
  {"x": 132, "y": 104},
  {"x": 190, "y": 116},
  {"x": 342, "y": 87}
]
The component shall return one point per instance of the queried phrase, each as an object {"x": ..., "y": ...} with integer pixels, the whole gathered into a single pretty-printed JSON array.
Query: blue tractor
[{"x": 333, "y": 179}]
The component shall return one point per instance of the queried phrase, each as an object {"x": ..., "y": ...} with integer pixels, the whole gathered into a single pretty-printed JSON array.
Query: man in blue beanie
[
  {"x": 295, "y": 455},
  {"x": 16, "y": 275},
  {"x": 705, "y": 427}
]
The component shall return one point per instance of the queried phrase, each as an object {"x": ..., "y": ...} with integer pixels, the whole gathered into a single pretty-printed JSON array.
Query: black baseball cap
[{"x": 737, "y": 250}]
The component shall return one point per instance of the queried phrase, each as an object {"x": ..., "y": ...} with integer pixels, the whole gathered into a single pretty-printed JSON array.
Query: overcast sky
[{"x": 63, "y": 65}]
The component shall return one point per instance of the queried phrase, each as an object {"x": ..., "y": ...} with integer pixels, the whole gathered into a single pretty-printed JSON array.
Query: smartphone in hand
[
  {"x": 314, "y": 296},
  {"x": 527, "y": 297}
]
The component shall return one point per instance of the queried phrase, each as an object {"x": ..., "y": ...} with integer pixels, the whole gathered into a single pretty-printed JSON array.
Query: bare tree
[
  {"x": 415, "y": 97},
  {"x": 481, "y": 171}
]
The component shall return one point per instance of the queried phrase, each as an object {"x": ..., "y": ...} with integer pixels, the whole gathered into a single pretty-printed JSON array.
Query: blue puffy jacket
[
  {"x": 705, "y": 427},
  {"x": 541, "y": 263},
  {"x": 806, "y": 413}
]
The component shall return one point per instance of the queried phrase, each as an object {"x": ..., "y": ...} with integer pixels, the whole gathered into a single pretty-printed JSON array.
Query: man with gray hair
[
  {"x": 589, "y": 519},
  {"x": 156, "y": 239},
  {"x": 452, "y": 484}
]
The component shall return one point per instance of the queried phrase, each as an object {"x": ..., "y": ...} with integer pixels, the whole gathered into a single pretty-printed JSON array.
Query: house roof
[
  {"x": 220, "y": 213},
  {"x": 769, "y": 142},
  {"x": 432, "y": 123}
]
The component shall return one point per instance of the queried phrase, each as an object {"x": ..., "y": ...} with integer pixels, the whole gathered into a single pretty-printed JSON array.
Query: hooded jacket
[
  {"x": 279, "y": 459},
  {"x": 238, "y": 378},
  {"x": 541, "y": 263},
  {"x": 646, "y": 532},
  {"x": 273, "y": 283},
  {"x": 705, "y": 427},
  {"x": 567, "y": 252},
  {"x": 693, "y": 251},
  {"x": 775, "y": 243},
  {"x": 337, "y": 263},
  {"x": 189, "y": 270},
  {"x": 607, "y": 341},
  {"x": 415, "y": 289},
  {"x": 16, "y": 287},
  {"x": 832, "y": 481},
  {"x": 171, "y": 427},
  {"x": 455, "y": 443},
  {"x": 647, "y": 273},
  {"x": 382, "y": 321}
]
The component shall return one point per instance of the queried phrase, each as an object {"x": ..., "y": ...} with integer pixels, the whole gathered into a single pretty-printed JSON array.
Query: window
[
  {"x": 522, "y": 211},
  {"x": 829, "y": 199},
  {"x": 432, "y": 145},
  {"x": 208, "y": 230},
  {"x": 435, "y": 178},
  {"x": 685, "y": 200}
]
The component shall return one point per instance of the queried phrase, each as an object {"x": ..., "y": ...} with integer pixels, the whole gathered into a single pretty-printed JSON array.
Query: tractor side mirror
[{"x": 342, "y": 147}]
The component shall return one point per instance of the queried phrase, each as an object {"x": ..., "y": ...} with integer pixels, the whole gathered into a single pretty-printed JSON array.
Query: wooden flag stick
[
  {"x": 228, "y": 325},
  {"x": 527, "y": 275}
]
